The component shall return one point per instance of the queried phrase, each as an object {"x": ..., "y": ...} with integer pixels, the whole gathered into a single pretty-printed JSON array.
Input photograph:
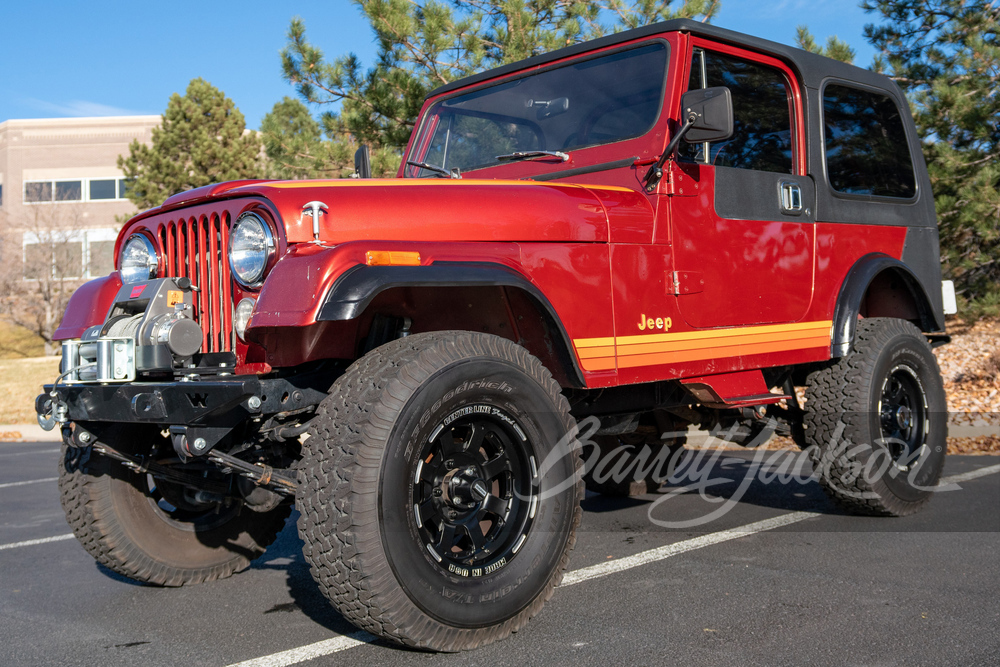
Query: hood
[
  {"x": 436, "y": 209},
  {"x": 441, "y": 209}
]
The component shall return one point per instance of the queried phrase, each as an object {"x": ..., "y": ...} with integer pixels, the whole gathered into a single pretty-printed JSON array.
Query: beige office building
[{"x": 60, "y": 187}]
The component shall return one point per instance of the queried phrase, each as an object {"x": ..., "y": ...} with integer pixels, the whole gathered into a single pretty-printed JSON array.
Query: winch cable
[{"x": 125, "y": 327}]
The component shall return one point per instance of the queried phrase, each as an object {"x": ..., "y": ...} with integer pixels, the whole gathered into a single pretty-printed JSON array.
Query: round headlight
[
  {"x": 244, "y": 309},
  {"x": 251, "y": 245},
  {"x": 138, "y": 260}
]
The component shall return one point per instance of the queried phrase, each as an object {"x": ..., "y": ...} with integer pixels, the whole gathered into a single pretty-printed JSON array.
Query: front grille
[{"x": 198, "y": 248}]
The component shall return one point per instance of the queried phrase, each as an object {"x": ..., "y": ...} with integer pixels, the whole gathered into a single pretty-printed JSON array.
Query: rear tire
[
  {"x": 123, "y": 520},
  {"x": 876, "y": 421},
  {"x": 427, "y": 512}
]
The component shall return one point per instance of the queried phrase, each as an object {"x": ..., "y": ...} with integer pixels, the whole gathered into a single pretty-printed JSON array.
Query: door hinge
[{"x": 686, "y": 282}]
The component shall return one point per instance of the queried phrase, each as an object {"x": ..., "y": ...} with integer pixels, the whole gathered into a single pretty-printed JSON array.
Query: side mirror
[
  {"x": 363, "y": 163},
  {"x": 712, "y": 109}
]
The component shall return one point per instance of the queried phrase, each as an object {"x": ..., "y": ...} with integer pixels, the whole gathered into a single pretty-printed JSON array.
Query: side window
[
  {"x": 866, "y": 148},
  {"x": 762, "y": 121}
]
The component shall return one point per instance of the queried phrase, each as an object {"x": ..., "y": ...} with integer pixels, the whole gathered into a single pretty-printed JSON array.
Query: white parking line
[
  {"x": 33, "y": 481},
  {"x": 303, "y": 653},
  {"x": 677, "y": 548},
  {"x": 320, "y": 649},
  {"x": 966, "y": 476},
  {"x": 342, "y": 643},
  {"x": 31, "y": 543}
]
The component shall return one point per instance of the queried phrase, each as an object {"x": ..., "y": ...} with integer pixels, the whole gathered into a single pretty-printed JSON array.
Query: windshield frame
[{"x": 423, "y": 133}]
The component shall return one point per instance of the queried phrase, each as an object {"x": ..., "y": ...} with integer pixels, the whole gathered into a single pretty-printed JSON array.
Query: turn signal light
[{"x": 392, "y": 258}]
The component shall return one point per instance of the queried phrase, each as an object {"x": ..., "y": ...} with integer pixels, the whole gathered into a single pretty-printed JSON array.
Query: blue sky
[{"x": 111, "y": 58}]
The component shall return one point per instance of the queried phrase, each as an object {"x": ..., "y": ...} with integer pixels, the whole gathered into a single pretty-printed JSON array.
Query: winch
[{"x": 149, "y": 328}]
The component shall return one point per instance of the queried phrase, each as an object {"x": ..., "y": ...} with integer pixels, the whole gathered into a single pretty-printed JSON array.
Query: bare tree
[{"x": 41, "y": 263}]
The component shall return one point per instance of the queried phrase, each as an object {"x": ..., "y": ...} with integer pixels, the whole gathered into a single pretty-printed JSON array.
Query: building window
[
  {"x": 100, "y": 258},
  {"x": 102, "y": 189},
  {"x": 76, "y": 254},
  {"x": 69, "y": 190},
  {"x": 76, "y": 190},
  {"x": 37, "y": 191}
]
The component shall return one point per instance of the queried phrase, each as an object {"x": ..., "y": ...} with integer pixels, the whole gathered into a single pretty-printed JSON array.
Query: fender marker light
[{"x": 392, "y": 258}]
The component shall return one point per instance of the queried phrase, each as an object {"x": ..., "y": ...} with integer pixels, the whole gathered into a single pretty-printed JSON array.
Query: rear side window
[{"x": 866, "y": 148}]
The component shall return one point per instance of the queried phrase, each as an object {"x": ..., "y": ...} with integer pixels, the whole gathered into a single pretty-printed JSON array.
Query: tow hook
[{"x": 51, "y": 410}]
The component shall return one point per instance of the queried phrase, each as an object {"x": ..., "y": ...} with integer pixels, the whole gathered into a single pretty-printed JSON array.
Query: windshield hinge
[{"x": 676, "y": 181}]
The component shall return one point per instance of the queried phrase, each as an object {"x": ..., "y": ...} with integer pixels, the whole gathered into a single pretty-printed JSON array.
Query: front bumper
[
  {"x": 205, "y": 410},
  {"x": 202, "y": 402}
]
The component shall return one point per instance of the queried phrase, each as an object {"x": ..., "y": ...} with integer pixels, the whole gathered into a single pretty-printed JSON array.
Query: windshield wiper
[
  {"x": 454, "y": 173},
  {"x": 528, "y": 155}
]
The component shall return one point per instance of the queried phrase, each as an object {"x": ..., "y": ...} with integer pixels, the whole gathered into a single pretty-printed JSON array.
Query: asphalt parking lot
[{"x": 781, "y": 578}]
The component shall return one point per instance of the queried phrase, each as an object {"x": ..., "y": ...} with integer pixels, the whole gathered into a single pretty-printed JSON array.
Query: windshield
[{"x": 587, "y": 103}]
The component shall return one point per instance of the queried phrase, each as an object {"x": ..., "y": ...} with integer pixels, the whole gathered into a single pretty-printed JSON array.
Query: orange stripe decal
[
  {"x": 655, "y": 349},
  {"x": 600, "y": 364}
]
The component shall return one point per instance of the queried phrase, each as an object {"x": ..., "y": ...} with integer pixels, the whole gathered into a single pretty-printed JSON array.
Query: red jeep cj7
[{"x": 674, "y": 225}]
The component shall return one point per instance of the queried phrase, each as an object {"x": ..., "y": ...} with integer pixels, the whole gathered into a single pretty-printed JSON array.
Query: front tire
[
  {"x": 436, "y": 508},
  {"x": 876, "y": 421},
  {"x": 151, "y": 531}
]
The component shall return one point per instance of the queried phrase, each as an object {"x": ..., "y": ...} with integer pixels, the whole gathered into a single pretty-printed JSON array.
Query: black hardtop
[
  {"x": 811, "y": 68},
  {"x": 920, "y": 252},
  {"x": 812, "y": 71}
]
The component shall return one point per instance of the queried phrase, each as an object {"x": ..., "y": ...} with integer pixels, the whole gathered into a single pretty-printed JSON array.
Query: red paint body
[{"x": 604, "y": 254}]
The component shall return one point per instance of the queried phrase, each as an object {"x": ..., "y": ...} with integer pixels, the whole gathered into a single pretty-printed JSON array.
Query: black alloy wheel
[{"x": 475, "y": 491}]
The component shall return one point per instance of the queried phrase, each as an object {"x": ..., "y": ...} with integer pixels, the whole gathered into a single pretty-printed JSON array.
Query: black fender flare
[
  {"x": 852, "y": 292},
  {"x": 355, "y": 289}
]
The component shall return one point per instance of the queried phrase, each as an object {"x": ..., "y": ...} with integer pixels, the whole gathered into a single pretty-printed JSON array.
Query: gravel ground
[{"x": 970, "y": 366}]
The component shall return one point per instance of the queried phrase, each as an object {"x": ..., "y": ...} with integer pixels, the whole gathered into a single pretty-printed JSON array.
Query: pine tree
[
  {"x": 202, "y": 140},
  {"x": 423, "y": 44},
  {"x": 292, "y": 141},
  {"x": 835, "y": 47},
  {"x": 946, "y": 55},
  {"x": 295, "y": 147}
]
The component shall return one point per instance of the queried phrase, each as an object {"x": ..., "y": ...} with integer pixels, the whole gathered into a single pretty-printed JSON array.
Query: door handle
[{"x": 790, "y": 197}]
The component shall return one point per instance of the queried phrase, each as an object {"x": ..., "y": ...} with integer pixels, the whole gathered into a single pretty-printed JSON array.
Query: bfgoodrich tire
[
  {"x": 876, "y": 421},
  {"x": 438, "y": 509},
  {"x": 149, "y": 532}
]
